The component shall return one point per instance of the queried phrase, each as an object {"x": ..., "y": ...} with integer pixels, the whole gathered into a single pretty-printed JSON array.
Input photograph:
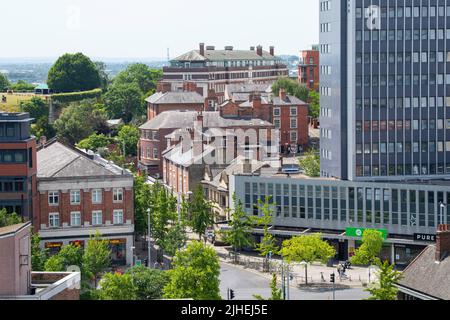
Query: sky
[{"x": 147, "y": 28}]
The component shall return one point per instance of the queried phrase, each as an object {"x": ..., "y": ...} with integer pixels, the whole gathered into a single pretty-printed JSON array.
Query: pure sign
[{"x": 358, "y": 232}]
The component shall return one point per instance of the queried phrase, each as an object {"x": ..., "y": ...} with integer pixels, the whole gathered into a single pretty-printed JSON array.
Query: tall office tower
[
  {"x": 18, "y": 191},
  {"x": 385, "y": 91}
]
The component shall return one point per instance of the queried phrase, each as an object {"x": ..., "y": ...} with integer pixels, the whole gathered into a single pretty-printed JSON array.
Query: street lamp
[
  {"x": 443, "y": 207},
  {"x": 132, "y": 256},
  {"x": 304, "y": 263},
  {"x": 149, "y": 264}
]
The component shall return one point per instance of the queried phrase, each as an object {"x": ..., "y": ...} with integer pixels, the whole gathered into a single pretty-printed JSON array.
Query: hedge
[{"x": 76, "y": 96}]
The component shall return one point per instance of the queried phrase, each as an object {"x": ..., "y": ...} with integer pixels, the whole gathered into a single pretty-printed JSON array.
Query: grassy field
[{"x": 13, "y": 101}]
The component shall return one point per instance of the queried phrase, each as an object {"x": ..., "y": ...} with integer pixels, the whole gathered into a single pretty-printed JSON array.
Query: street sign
[
  {"x": 138, "y": 263},
  {"x": 358, "y": 232}
]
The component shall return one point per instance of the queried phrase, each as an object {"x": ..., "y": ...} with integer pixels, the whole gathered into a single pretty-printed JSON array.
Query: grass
[{"x": 13, "y": 101}]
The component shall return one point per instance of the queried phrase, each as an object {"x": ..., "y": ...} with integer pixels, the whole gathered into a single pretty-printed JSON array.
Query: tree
[
  {"x": 175, "y": 238},
  {"x": 55, "y": 264},
  {"x": 114, "y": 286},
  {"x": 73, "y": 72},
  {"x": 22, "y": 86},
  {"x": 276, "y": 293},
  {"x": 124, "y": 100},
  {"x": 38, "y": 255},
  {"x": 201, "y": 217},
  {"x": 195, "y": 274},
  {"x": 314, "y": 104},
  {"x": 94, "y": 142},
  {"x": 129, "y": 136},
  {"x": 104, "y": 77},
  {"x": 148, "y": 283},
  {"x": 367, "y": 253},
  {"x": 239, "y": 236},
  {"x": 79, "y": 120},
  {"x": 42, "y": 127},
  {"x": 96, "y": 257},
  {"x": 308, "y": 248},
  {"x": 311, "y": 164},
  {"x": 268, "y": 245},
  {"x": 8, "y": 219},
  {"x": 4, "y": 82},
  {"x": 36, "y": 107},
  {"x": 385, "y": 289},
  {"x": 141, "y": 203},
  {"x": 141, "y": 75},
  {"x": 292, "y": 87}
]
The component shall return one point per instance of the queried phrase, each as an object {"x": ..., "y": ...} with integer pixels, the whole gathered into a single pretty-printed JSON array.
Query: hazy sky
[{"x": 146, "y": 28}]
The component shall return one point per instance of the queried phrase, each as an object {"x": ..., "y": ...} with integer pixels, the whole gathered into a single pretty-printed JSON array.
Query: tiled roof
[
  {"x": 290, "y": 101},
  {"x": 426, "y": 276},
  {"x": 180, "y": 97},
  {"x": 221, "y": 55}
]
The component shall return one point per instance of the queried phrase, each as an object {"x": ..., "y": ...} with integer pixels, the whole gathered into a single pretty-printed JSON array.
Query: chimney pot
[
  {"x": 272, "y": 50},
  {"x": 283, "y": 94},
  {"x": 259, "y": 50},
  {"x": 252, "y": 48},
  {"x": 442, "y": 242},
  {"x": 202, "y": 49}
]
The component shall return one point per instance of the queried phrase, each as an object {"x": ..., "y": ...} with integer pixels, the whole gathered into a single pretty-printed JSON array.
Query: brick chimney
[
  {"x": 163, "y": 87},
  {"x": 202, "y": 49},
  {"x": 259, "y": 50},
  {"x": 283, "y": 94},
  {"x": 442, "y": 242},
  {"x": 252, "y": 48},
  {"x": 272, "y": 50},
  {"x": 256, "y": 99}
]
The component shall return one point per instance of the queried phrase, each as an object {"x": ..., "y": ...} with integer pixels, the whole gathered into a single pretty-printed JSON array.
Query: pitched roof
[
  {"x": 176, "y": 97},
  {"x": 221, "y": 55},
  {"x": 290, "y": 101},
  {"x": 56, "y": 160},
  {"x": 426, "y": 276}
]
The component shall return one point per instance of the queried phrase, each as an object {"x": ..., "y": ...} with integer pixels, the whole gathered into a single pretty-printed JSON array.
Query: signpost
[{"x": 358, "y": 232}]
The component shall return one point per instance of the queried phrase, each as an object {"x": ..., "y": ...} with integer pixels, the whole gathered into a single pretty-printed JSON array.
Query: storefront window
[{"x": 118, "y": 252}]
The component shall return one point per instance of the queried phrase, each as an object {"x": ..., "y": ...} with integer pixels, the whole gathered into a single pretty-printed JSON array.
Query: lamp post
[
  {"x": 132, "y": 256},
  {"x": 443, "y": 207},
  {"x": 149, "y": 235},
  {"x": 304, "y": 263}
]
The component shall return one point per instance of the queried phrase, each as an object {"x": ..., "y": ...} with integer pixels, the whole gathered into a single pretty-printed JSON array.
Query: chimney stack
[
  {"x": 163, "y": 87},
  {"x": 210, "y": 48},
  {"x": 229, "y": 48},
  {"x": 247, "y": 166},
  {"x": 202, "y": 49},
  {"x": 272, "y": 51},
  {"x": 283, "y": 94},
  {"x": 259, "y": 50},
  {"x": 256, "y": 99},
  {"x": 190, "y": 86},
  {"x": 442, "y": 242},
  {"x": 252, "y": 48}
]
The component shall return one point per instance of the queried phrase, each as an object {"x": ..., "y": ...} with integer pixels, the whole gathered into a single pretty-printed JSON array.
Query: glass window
[
  {"x": 75, "y": 219},
  {"x": 53, "y": 220},
  {"x": 74, "y": 196},
  {"x": 118, "y": 217},
  {"x": 97, "y": 196},
  {"x": 53, "y": 198},
  {"x": 117, "y": 194},
  {"x": 97, "y": 218}
]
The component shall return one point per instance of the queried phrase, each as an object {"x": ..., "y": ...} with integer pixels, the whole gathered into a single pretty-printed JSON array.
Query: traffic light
[
  {"x": 231, "y": 294},
  {"x": 332, "y": 280}
]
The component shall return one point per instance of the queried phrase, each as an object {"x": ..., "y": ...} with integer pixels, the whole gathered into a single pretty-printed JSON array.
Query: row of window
[
  {"x": 400, "y": 80},
  {"x": 277, "y": 111},
  {"x": 392, "y": 125},
  {"x": 401, "y": 170},
  {"x": 7, "y": 130},
  {"x": 277, "y": 123},
  {"x": 75, "y": 196},
  {"x": 13, "y": 185},
  {"x": 75, "y": 218},
  {"x": 13, "y": 156},
  {"x": 407, "y": 102},
  {"x": 400, "y": 35},
  {"x": 400, "y": 147},
  {"x": 408, "y": 12},
  {"x": 400, "y": 57}
]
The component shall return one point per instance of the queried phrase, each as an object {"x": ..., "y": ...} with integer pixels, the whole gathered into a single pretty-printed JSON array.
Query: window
[
  {"x": 293, "y": 111},
  {"x": 74, "y": 196},
  {"x": 97, "y": 196},
  {"x": 96, "y": 218},
  {"x": 277, "y": 123},
  {"x": 118, "y": 217},
  {"x": 75, "y": 219},
  {"x": 276, "y": 112},
  {"x": 293, "y": 136},
  {"x": 293, "y": 123},
  {"x": 118, "y": 195},
  {"x": 53, "y": 198},
  {"x": 53, "y": 220}
]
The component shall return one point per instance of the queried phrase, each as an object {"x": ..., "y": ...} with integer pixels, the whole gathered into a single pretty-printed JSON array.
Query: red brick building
[
  {"x": 18, "y": 191},
  {"x": 81, "y": 193},
  {"x": 308, "y": 69},
  {"x": 214, "y": 69}
]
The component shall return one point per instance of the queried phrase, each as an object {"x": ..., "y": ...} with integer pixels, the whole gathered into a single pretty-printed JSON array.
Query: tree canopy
[
  {"x": 308, "y": 248},
  {"x": 4, "y": 82},
  {"x": 141, "y": 75},
  {"x": 129, "y": 136},
  {"x": 385, "y": 289},
  {"x": 124, "y": 101},
  {"x": 200, "y": 213},
  {"x": 115, "y": 286},
  {"x": 292, "y": 87},
  {"x": 96, "y": 257},
  {"x": 73, "y": 72},
  {"x": 367, "y": 253},
  {"x": 94, "y": 142},
  {"x": 310, "y": 162},
  {"x": 148, "y": 283},
  {"x": 195, "y": 274},
  {"x": 8, "y": 219}
]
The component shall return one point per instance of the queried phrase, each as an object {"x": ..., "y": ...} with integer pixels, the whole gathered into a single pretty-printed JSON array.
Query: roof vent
[
  {"x": 229, "y": 48},
  {"x": 210, "y": 48}
]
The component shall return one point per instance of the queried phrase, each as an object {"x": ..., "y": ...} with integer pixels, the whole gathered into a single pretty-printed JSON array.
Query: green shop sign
[{"x": 358, "y": 232}]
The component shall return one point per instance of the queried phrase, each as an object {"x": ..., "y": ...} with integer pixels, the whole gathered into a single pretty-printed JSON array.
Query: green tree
[
  {"x": 22, "y": 86},
  {"x": 314, "y": 104},
  {"x": 129, "y": 136},
  {"x": 200, "y": 213},
  {"x": 94, "y": 142},
  {"x": 114, "y": 286},
  {"x": 142, "y": 195},
  {"x": 38, "y": 255},
  {"x": 141, "y": 75},
  {"x": 73, "y": 72},
  {"x": 36, "y": 107},
  {"x": 310, "y": 248},
  {"x": 310, "y": 162},
  {"x": 55, "y": 264},
  {"x": 124, "y": 100},
  {"x": 97, "y": 256},
  {"x": 149, "y": 283},
  {"x": 385, "y": 289},
  {"x": 104, "y": 77},
  {"x": 175, "y": 238},
  {"x": 42, "y": 127},
  {"x": 276, "y": 293},
  {"x": 195, "y": 274},
  {"x": 239, "y": 236},
  {"x": 69, "y": 255},
  {"x": 292, "y": 87},
  {"x": 8, "y": 219},
  {"x": 4, "y": 82},
  {"x": 79, "y": 120},
  {"x": 367, "y": 253}
]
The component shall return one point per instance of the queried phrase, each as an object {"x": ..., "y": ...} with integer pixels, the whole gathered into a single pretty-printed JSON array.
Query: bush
[{"x": 64, "y": 98}]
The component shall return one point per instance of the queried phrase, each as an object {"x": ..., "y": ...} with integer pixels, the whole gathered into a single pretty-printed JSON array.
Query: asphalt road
[{"x": 247, "y": 283}]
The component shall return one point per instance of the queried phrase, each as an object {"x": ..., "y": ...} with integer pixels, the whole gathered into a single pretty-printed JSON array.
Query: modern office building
[{"x": 18, "y": 191}]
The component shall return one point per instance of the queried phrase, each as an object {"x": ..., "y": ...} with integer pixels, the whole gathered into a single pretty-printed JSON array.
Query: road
[{"x": 247, "y": 283}]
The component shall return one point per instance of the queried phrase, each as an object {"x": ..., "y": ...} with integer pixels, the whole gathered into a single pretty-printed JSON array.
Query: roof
[
  {"x": 186, "y": 119},
  {"x": 290, "y": 101},
  {"x": 264, "y": 100},
  {"x": 177, "y": 97},
  {"x": 426, "y": 276},
  {"x": 221, "y": 55},
  {"x": 56, "y": 160},
  {"x": 13, "y": 229},
  {"x": 186, "y": 159},
  {"x": 42, "y": 86},
  {"x": 248, "y": 88}
]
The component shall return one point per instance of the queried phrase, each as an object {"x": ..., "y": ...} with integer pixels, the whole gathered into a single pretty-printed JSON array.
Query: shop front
[
  {"x": 118, "y": 251},
  {"x": 53, "y": 247}
]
